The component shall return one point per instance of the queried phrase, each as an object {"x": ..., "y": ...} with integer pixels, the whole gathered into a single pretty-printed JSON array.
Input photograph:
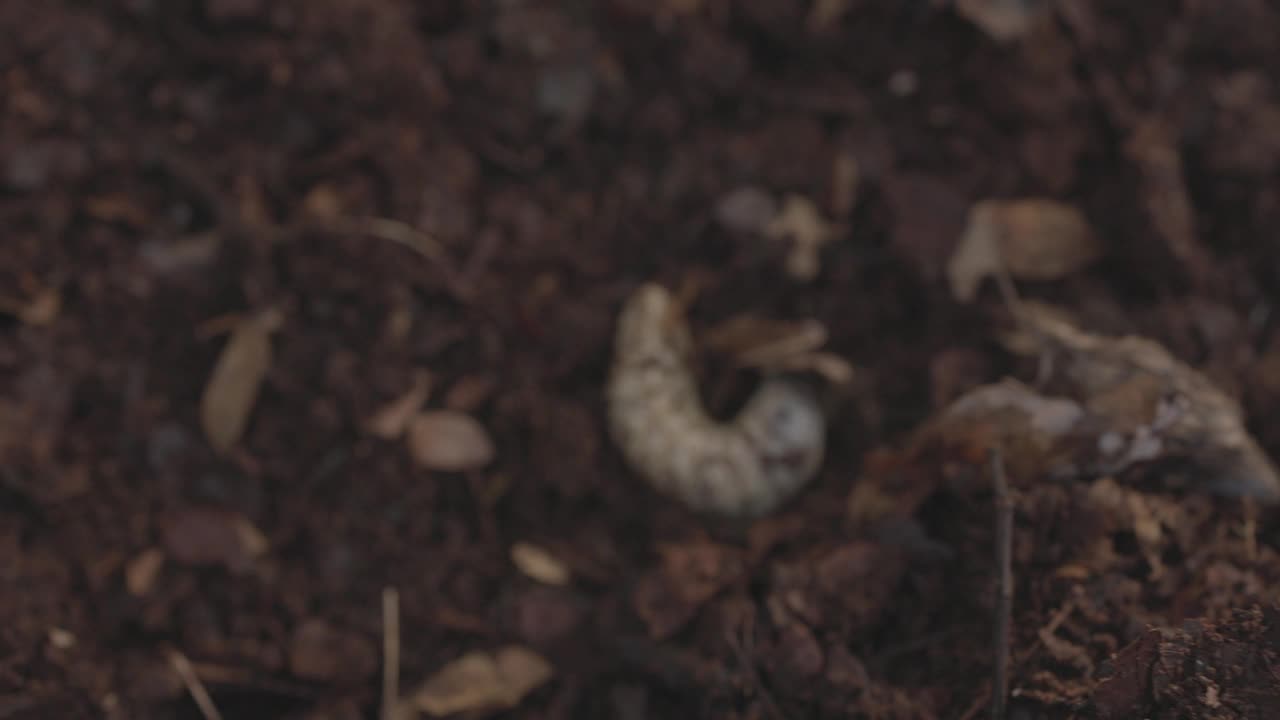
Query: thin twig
[
  {"x": 204, "y": 702},
  {"x": 1004, "y": 587},
  {"x": 390, "y": 654}
]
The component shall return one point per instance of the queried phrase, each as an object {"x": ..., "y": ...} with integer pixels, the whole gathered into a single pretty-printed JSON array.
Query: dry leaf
[
  {"x": 1004, "y": 20},
  {"x": 141, "y": 572},
  {"x": 1151, "y": 405},
  {"x": 751, "y": 339},
  {"x": 801, "y": 223},
  {"x": 1045, "y": 239},
  {"x": 778, "y": 346},
  {"x": 539, "y": 564},
  {"x": 237, "y": 377},
  {"x": 1032, "y": 239},
  {"x": 449, "y": 441},
  {"x": 390, "y": 422},
  {"x": 480, "y": 681}
]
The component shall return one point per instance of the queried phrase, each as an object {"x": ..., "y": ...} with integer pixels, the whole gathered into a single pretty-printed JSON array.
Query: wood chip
[
  {"x": 1030, "y": 239},
  {"x": 449, "y": 441},
  {"x": 482, "y": 681},
  {"x": 800, "y": 222},
  {"x": 237, "y": 377},
  {"x": 539, "y": 564},
  {"x": 1004, "y": 20},
  {"x": 390, "y": 421},
  {"x": 141, "y": 572}
]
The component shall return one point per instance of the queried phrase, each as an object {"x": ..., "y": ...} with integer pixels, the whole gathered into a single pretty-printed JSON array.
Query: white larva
[{"x": 745, "y": 467}]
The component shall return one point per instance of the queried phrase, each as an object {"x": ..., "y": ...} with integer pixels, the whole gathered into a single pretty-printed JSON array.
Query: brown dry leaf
[
  {"x": 1151, "y": 405},
  {"x": 1032, "y": 239},
  {"x": 1004, "y": 20},
  {"x": 481, "y": 681},
  {"x": 539, "y": 564},
  {"x": 801, "y": 223},
  {"x": 449, "y": 441},
  {"x": 237, "y": 377},
  {"x": 391, "y": 420},
  {"x": 752, "y": 340},
  {"x": 141, "y": 572},
  {"x": 1045, "y": 239},
  {"x": 778, "y": 346}
]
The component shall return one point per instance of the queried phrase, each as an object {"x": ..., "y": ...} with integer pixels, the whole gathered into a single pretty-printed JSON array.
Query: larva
[{"x": 745, "y": 467}]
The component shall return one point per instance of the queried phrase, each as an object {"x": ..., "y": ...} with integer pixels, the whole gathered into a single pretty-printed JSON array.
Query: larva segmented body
[{"x": 746, "y": 467}]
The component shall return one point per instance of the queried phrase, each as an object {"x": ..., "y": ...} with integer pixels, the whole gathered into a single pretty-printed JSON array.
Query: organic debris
[
  {"x": 1031, "y": 239},
  {"x": 390, "y": 421},
  {"x": 483, "y": 681},
  {"x": 449, "y": 441},
  {"x": 808, "y": 232},
  {"x": 539, "y": 564},
  {"x": 1005, "y": 20},
  {"x": 1145, "y": 405},
  {"x": 237, "y": 377}
]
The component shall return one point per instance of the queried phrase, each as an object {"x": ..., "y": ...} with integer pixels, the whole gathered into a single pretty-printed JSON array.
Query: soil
[{"x": 168, "y": 169}]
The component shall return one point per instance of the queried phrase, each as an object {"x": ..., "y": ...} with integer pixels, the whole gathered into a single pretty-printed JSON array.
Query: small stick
[
  {"x": 390, "y": 654},
  {"x": 204, "y": 703},
  {"x": 1004, "y": 586}
]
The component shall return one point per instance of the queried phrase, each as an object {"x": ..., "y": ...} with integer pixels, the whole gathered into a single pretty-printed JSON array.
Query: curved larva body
[{"x": 745, "y": 467}]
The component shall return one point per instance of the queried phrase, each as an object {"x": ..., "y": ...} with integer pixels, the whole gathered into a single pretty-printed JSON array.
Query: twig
[
  {"x": 390, "y": 654},
  {"x": 204, "y": 703},
  {"x": 1004, "y": 587}
]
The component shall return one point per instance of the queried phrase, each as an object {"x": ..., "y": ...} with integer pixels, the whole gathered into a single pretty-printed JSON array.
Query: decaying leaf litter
[{"x": 179, "y": 474}]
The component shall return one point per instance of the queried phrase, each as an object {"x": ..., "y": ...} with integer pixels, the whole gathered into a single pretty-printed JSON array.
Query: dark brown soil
[{"x": 167, "y": 168}]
